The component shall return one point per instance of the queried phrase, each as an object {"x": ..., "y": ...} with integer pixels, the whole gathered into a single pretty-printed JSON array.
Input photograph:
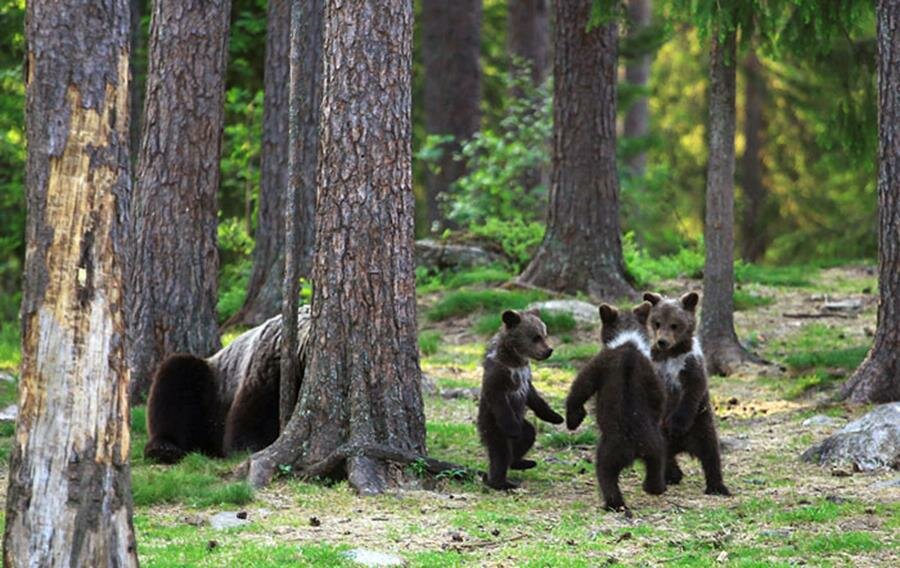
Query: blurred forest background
[{"x": 806, "y": 144}]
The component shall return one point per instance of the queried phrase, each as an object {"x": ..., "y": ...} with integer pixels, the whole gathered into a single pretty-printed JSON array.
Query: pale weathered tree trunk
[
  {"x": 69, "y": 498},
  {"x": 175, "y": 258},
  {"x": 528, "y": 35},
  {"x": 360, "y": 392},
  {"x": 637, "y": 73},
  {"x": 720, "y": 343},
  {"x": 753, "y": 232},
  {"x": 582, "y": 250},
  {"x": 878, "y": 377},
  {"x": 451, "y": 49}
]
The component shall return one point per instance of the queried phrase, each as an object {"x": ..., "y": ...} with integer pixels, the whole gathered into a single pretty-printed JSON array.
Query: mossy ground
[{"x": 783, "y": 512}]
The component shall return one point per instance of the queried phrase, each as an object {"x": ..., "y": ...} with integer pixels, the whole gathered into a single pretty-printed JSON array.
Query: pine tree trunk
[
  {"x": 582, "y": 250},
  {"x": 175, "y": 261},
  {"x": 878, "y": 377},
  {"x": 451, "y": 49},
  {"x": 360, "y": 390},
  {"x": 720, "y": 342},
  {"x": 637, "y": 73},
  {"x": 528, "y": 35},
  {"x": 69, "y": 498},
  {"x": 136, "y": 68},
  {"x": 753, "y": 234}
]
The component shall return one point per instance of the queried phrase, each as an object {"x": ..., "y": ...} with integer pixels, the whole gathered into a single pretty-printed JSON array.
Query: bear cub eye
[
  {"x": 656, "y": 324},
  {"x": 536, "y": 338},
  {"x": 674, "y": 327}
]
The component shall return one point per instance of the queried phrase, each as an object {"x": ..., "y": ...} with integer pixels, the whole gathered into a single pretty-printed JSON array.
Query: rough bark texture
[
  {"x": 878, "y": 377},
  {"x": 69, "y": 497},
  {"x": 582, "y": 250},
  {"x": 175, "y": 260},
  {"x": 528, "y": 35},
  {"x": 637, "y": 72},
  {"x": 136, "y": 67},
  {"x": 753, "y": 233},
  {"x": 720, "y": 342},
  {"x": 264, "y": 286},
  {"x": 451, "y": 48},
  {"x": 361, "y": 389}
]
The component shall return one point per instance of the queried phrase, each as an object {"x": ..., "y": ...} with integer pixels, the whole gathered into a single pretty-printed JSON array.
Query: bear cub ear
[
  {"x": 608, "y": 314},
  {"x": 511, "y": 318},
  {"x": 642, "y": 311},
  {"x": 689, "y": 301},
  {"x": 652, "y": 298}
]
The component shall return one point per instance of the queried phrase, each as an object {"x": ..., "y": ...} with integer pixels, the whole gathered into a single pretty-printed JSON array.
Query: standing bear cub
[
  {"x": 689, "y": 424},
  {"x": 630, "y": 401},
  {"x": 506, "y": 390}
]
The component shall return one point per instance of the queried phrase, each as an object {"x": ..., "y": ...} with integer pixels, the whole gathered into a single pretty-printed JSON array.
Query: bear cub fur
[
  {"x": 506, "y": 390},
  {"x": 678, "y": 358},
  {"x": 630, "y": 401}
]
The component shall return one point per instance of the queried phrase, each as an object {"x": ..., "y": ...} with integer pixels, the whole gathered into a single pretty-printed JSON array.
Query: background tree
[
  {"x": 637, "y": 73},
  {"x": 753, "y": 230},
  {"x": 582, "y": 249},
  {"x": 361, "y": 387},
  {"x": 174, "y": 263},
  {"x": 451, "y": 43},
  {"x": 69, "y": 498},
  {"x": 528, "y": 36},
  {"x": 878, "y": 378}
]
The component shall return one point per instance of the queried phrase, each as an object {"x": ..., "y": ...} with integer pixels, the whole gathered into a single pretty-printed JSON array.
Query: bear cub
[
  {"x": 506, "y": 390},
  {"x": 630, "y": 401},
  {"x": 678, "y": 358}
]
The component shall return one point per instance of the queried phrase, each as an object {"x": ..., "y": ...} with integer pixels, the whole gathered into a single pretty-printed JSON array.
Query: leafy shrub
[
  {"x": 465, "y": 301},
  {"x": 429, "y": 341},
  {"x": 688, "y": 262}
]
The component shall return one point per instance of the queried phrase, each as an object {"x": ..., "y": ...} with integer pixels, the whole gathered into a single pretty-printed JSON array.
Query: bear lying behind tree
[
  {"x": 223, "y": 404},
  {"x": 506, "y": 390},
  {"x": 689, "y": 424},
  {"x": 630, "y": 402}
]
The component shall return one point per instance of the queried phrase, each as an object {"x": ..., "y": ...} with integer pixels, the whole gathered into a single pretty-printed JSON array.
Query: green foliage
[
  {"x": 10, "y": 346},
  {"x": 465, "y": 301},
  {"x": 647, "y": 270},
  {"x": 516, "y": 237},
  {"x": 428, "y": 281},
  {"x": 241, "y": 145},
  {"x": 429, "y": 342},
  {"x": 797, "y": 276}
]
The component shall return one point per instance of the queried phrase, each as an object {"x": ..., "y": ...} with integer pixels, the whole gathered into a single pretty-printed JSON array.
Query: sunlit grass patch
[
  {"x": 10, "y": 347},
  {"x": 587, "y": 436},
  {"x": 429, "y": 281},
  {"x": 820, "y": 512},
  {"x": 196, "y": 481},
  {"x": 466, "y": 301}
]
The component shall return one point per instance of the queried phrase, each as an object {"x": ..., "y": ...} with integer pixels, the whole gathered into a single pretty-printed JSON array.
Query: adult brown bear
[{"x": 222, "y": 404}]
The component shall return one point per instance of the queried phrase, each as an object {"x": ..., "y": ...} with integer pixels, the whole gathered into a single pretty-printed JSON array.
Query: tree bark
[
  {"x": 753, "y": 233},
  {"x": 582, "y": 250},
  {"x": 720, "y": 343},
  {"x": 451, "y": 49},
  {"x": 69, "y": 498},
  {"x": 637, "y": 73},
  {"x": 528, "y": 35},
  {"x": 136, "y": 68},
  {"x": 361, "y": 388},
  {"x": 175, "y": 261},
  {"x": 878, "y": 377}
]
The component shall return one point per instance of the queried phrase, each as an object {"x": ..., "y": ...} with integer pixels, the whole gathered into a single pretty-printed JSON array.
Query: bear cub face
[
  {"x": 671, "y": 323},
  {"x": 524, "y": 335}
]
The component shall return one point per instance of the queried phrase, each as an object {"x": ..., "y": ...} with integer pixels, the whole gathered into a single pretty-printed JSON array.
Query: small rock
[
  {"x": 869, "y": 443},
  {"x": 472, "y": 393},
  {"x": 887, "y": 484},
  {"x": 730, "y": 445},
  {"x": 242, "y": 515},
  {"x": 368, "y": 557},
  {"x": 456, "y": 537},
  {"x": 227, "y": 520},
  {"x": 836, "y": 499},
  {"x": 820, "y": 420},
  {"x": 212, "y": 544},
  {"x": 775, "y": 533},
  {"x": 315, "y": 522},
  {"x": 9, "y": 413},
  {"x": 495, "y": 532},
  {"x": 581, "y": 312},
  {"x": 850, "y": 305},
  {"x": 722, "y": 557},
  {"x": 7, "y": 377}
]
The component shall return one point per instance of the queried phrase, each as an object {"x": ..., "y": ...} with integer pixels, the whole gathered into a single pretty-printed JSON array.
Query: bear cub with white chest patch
[
  {"x": 630, "y": 401},
  {"x": 506, "y": 391},
  {"x": 678, "y": 358}
]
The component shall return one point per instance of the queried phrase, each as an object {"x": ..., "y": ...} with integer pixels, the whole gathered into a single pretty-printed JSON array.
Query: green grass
[
  {"x": 797, "y": 276},
  {"x": 567, "y": 353},
  {"x": 466, "y": 301},
  {"x": 744, "y": 300},
  {"x": 196, "y": 481},
  {"x": 10, "y": 348},
  {"x": 429, "y": 342},
  {"x": 587, "y": 436},
  {"x": 429, "y": 282}
]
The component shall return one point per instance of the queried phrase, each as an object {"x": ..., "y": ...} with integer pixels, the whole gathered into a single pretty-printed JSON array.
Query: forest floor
[{"x": 783, "y": 512}]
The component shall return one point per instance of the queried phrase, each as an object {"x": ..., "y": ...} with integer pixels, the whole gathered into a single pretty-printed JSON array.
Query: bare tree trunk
[
  {"x": 306, "y": 53},
  {"x": 175, "y": 261},
  {"x": 451, "y": 49},
  {"x": 753, "y": 233},
  {"x": 360, "y": 391},
  {"x": 528, "y": 35},
  {"x": 582, "y": 250},
  {"x": 637, "y": 73},
  {"x": 69, "y": 498},
  {"x": 136, "y": 97},
  {"x": 720, "y": 342},
  {"x": 878, "y": 377}
]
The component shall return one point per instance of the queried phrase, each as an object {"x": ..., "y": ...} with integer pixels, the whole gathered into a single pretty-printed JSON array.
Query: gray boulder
[
  {"x": 228, "y": 520},
  {"x": 440, "y": 256},
  {"x": 582, "y": 312},
  {"x": 869, "y": 443}
]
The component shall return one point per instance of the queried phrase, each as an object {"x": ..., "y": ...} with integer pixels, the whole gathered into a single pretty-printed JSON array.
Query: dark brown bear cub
[
  {"x": 630, "y": 401},
  {"x": 689, "y": 424},
  {"x": 506, "y": 390}
]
